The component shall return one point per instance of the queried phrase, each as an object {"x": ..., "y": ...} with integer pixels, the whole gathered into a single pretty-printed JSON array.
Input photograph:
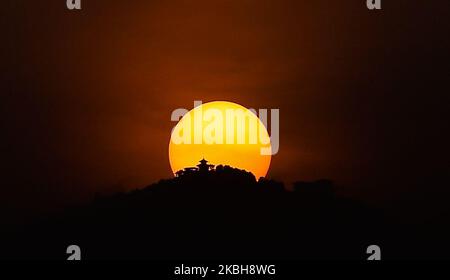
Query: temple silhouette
[{"x": 202, "y": 167}]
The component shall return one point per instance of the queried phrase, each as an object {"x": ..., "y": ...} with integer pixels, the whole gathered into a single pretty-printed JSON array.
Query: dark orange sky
[{"x": 88, "y": 95}]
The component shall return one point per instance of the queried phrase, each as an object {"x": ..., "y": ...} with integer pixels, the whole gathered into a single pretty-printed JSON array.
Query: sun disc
[{"x": 223, "y": 133}]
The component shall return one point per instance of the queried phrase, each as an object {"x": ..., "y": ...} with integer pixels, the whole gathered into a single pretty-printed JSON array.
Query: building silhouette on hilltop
[{"x": 202, "y": 167}]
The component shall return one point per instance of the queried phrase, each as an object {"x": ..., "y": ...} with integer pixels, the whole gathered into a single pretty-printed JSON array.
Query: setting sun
[{"x": 223, "y": 133}]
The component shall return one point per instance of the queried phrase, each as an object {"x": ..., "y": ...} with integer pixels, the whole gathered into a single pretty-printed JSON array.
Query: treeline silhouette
[{"x": 216, "y": 215}]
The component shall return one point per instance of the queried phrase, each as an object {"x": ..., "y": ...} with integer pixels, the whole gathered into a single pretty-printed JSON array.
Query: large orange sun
[{"x": 223, "y": 133}]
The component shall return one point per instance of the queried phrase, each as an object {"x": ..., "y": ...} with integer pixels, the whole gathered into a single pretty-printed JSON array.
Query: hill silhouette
[{"x": 219, "y": 214}]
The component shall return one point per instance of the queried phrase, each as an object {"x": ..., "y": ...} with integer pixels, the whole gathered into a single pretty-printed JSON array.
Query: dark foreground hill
[{"x": 222, "y": 214}]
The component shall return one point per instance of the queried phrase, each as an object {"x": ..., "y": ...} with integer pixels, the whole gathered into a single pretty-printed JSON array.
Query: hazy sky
[{"x": 87, "y": 96}]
